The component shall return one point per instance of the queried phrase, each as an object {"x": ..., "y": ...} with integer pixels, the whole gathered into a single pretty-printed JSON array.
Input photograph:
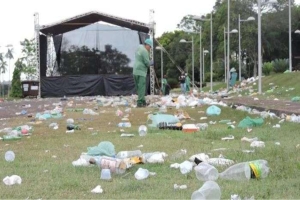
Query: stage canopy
[{"x": 91, "y": 58}]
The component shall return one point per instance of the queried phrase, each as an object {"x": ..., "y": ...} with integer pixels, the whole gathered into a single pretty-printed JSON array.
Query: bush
[
  {"x": 267, "y": 68},
  {"x": 280, "y": 65}
]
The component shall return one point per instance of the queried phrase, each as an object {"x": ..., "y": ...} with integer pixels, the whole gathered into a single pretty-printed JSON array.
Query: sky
[{"x": 17, "y": 21}]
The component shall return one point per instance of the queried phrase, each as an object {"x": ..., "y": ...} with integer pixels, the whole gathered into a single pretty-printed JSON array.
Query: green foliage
[
  {"x": 173, "y": 82},
  {"x": 16, "y": 90},
  {"x": 280, "y": 65},
  {"x": 267, "y": 68},
  {"x": 29, "y": 67}
]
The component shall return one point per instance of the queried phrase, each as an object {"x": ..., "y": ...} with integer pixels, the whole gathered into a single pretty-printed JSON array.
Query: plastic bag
[
  {"x": 213, "y": 110},
  {"x": 158, "y": 118}
]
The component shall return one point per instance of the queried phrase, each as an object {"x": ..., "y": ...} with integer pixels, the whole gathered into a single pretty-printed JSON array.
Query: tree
[
  {"x": 29, "y": 59},
  {"x": 3, "y": 66},
  {"x": 16, "y": 87}
]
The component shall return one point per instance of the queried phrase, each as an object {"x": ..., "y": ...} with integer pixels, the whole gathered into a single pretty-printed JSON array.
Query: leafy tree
[
  {"x": 29, "y": 60},
  {"x": 16, "y": 90},
  {"x": 267, "y": 68},
  {"x": 3, "y": 66}
]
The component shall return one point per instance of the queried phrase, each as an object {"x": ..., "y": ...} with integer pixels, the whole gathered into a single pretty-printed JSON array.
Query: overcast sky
[{"x": 17, "y": 22}]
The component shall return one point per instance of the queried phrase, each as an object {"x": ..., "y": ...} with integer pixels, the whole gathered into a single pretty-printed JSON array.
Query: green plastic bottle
[{"x": 10, "y": 137}]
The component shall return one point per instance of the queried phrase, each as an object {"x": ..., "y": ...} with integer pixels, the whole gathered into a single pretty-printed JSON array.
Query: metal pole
[
  {"x": 211, "y": 54},
  {"x": 225, "y": 71},
  {"x": 290, "y": 37},
  {"x": 203, "y": 71},
  {"x": 228, "y": 44},
  {"x": 240, "y": 67},
  {"x": 200, "y": 61},
  {"x": 259, "y": 47},
  {"x": 193, "y": 66},
  {"x": 161, "y": 67}
]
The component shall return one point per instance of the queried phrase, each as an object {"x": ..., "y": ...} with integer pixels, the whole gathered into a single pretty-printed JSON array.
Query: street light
[
  {"x": 232, "y": 31},
  {"x": 241, "y": 20},
  {"x": 161, "y": 65},
  {"x": 204, "y": 53},
  {"x": 211, "y": 47},
  {"x": 184, "y": 41},
  {"x": 290, "y": 36},
  {"x": 259, "y": 41}
]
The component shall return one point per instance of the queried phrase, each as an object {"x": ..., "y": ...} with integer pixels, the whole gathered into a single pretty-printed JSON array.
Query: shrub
[
  {"x": 16, "y": 87},
  {"x": 173, "y": 82},
  {"x": 267, "y": 68},
  {"x": 280, "y": 65}
]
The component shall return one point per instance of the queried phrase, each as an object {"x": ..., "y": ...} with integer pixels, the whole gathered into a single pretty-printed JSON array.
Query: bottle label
[{"x": 255, "y": 170}]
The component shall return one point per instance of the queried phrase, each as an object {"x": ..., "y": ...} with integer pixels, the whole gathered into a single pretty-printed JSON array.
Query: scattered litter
[
  {"x": 9, "y": 156},
  {"x": 186, "y": 167},
  {"x": 259, "y": 144},
  {"x": 12, "y": 180},
  {"x": 248, "y": 151},
  {"x": 213, "y": 111},
  {"x": 175, "y": 165},
  {"x": 127, "y": 135},
  {"x": 97, "y": 190},
  {"x": 140, "y": 146},
  {"x": 230, "y": 137},
  {"x": 141, "y": 174},
  {"x": 276, "y": 126},
  {"x": 203, "y": 118},
  {"x": 277, "y": 143},
  {"x": 220, "y": 162},
  {"x": 181, "y": 187}
]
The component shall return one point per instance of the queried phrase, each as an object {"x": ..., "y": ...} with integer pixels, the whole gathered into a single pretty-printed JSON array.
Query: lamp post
[
  {"x": 184, "y": 41},
  {"x": 211, "y": 47},
  {"x": 232, "y": 31},
  {"x": 259, "y": 42},
  {"x": 204, "y": 53},
  {"x": 161, "y": 65},
  {"x": 241, "y": 20}
]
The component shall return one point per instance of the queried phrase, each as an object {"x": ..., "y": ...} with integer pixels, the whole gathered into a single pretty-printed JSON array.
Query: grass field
[{"x": 44, "y": 160}]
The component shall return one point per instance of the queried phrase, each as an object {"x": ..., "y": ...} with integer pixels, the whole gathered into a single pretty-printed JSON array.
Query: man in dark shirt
[{"x": 182, "y": 82}]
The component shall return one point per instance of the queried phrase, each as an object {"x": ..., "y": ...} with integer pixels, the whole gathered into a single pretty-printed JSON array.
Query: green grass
[{"x": 47, "y": 177}]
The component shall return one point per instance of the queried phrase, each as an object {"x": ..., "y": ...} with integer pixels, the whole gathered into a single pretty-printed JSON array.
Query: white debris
[
  {"x": 12, "y": 180},
  {"x": 97, "y": 190}
]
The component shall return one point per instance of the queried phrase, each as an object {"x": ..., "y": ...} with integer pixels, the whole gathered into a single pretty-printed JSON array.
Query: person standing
[
  {"x": 140, "y": 68},
  {"x": 182, "y": 82},
  {"x": 187, "y": 83},
  {"x": 165, "y": 86}
]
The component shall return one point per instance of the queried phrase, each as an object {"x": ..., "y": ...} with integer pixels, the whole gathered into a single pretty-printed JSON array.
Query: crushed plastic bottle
[
  {"x": 247, "y": 170},
  {"x": 209, "y": 190},
  {"x": 128, "y": 154}
]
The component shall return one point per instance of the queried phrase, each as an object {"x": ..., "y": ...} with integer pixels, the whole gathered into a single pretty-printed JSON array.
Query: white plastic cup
[
  {"x": 143, "y": 130},
  {"x": 206, "y": 172},
  {"x": 209, "y": 190},
  {"x": 141, "y": 174},
  {"x": 70, "y": 121},
  {"x": 105, "y": 174},
  {"x": 9, "y": 156}
]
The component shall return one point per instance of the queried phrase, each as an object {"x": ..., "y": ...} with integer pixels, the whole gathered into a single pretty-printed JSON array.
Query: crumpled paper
[{"x": 12, "y": 180}]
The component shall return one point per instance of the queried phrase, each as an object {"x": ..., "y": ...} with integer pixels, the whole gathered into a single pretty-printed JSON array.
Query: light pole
[
  {"x": 204, "y": 53},
  {"x": 200, "y": 62},
  {"x": 232, "y": 31},
  {"x": 211, "y": 47},
  {"x": 228, "y": 42},
  {"x": 161, "y": 65},
  {"x": 259, "y": 42},
  {"x": 241, "y": 20},
  {"x": 184, "y": 41}
]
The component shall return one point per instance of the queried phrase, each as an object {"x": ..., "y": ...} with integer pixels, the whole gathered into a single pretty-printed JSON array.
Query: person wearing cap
[
  {"x": 233, "y": 77},
  {"x": 140, "y": 68},
  {"x": 187, "y": 83}
]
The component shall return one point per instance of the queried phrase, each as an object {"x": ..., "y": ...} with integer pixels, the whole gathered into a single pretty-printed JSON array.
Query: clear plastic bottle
[
  {"x": 128, "y": 154},
  {"x": 186, "y": 167},
  {"x": 124, "y": 124},
  {"x": 246, "y": 170},
  {"x": 10, "y": 137}
]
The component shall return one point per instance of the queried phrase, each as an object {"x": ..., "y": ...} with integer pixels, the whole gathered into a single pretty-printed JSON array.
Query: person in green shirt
[
  {"x": 165, "y": 85},
  {"x": 140, "y": 68},
  {"x": 187, "y": 83}
]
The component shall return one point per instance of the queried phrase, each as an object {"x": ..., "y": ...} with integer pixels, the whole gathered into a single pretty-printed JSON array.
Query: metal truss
[{"x": 37, "y": 52}]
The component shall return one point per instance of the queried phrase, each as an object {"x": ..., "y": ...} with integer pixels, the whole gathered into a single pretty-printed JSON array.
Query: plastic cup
[
  {"x": 105, "y": 174},
  {"x": 143, "y": 130},
  {"x": 141, "y": 174},
  {"x": 9, "y": 156},
  {"x": 206, "y": 172},
  {"x": 209, "y": 190}
]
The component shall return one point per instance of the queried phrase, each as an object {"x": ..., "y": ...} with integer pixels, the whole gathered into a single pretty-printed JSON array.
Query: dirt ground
[{"x": 9, "y": 109}]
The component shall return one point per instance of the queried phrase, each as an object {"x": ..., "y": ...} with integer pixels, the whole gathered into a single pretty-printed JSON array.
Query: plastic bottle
[
  {"x": 128, "y": 154},
  {"x": 246, "y": 171},
  {"x": 143, "y": 130},
  {"x": 10, "y": 137},
  {"x": 206, "y": 172},
  {"x": 186, "y": 167},
  {"x": 72, "y": 127},
  {"x": 124, "y": 124},
  {"x": 209, "y": 190},
  {"x": 146, "y": 156}
]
